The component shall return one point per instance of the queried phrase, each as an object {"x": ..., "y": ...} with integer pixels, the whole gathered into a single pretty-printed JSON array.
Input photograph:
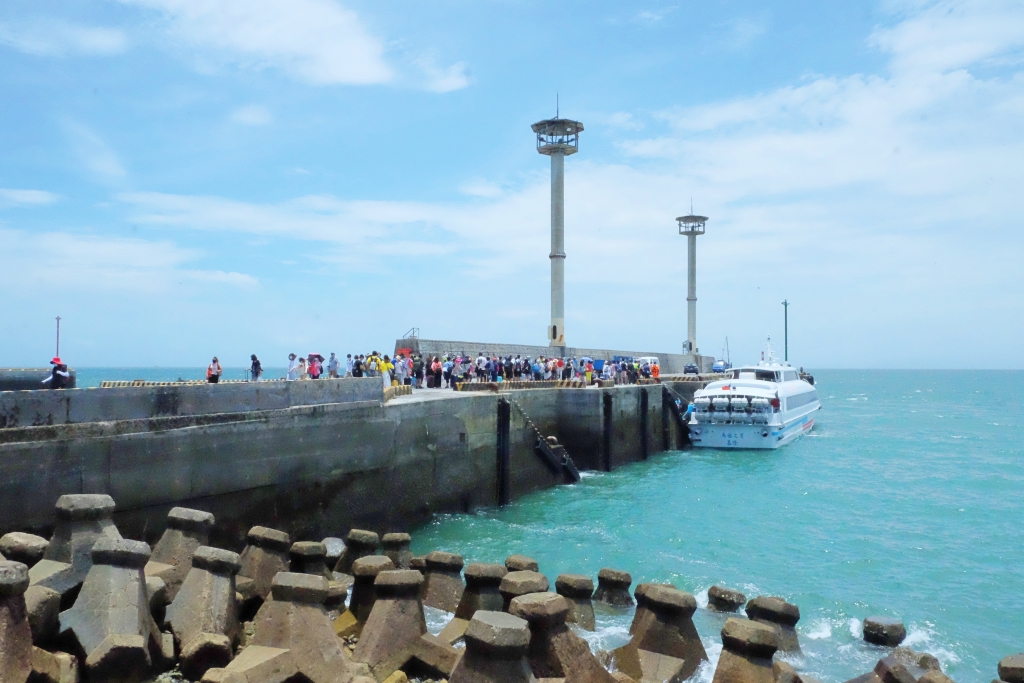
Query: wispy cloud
[
  {"x": 443, "y": 79},
  {"x": 252, "y": 115},
  {"x": 316, "y": 41},
  {"x": 653, "y": 16},
  {"x": 12, "y": 197},
  {"x": 95, "y": 155},
  {"x": 56, "y": 38}
]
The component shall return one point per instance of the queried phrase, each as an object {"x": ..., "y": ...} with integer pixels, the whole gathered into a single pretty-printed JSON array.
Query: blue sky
[{"x": 182, "y": 178}]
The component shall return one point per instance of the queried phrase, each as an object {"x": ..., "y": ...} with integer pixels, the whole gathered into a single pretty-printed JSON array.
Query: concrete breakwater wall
[
  {"x": 35, "y": 408},
  {"x": 318, "y": 470}
]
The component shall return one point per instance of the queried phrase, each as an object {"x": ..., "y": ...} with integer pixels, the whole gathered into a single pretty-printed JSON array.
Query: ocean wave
[
  {"x": 437, "y": 619},
  {"x": 820, "y": 630},
  {"x": 607, "y": 636}
]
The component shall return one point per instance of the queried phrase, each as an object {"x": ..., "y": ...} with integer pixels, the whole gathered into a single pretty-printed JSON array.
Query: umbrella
[{"x": 318, "y": 356}]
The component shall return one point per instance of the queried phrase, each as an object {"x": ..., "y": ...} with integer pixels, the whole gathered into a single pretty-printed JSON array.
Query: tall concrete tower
[
  {"x": 557, "y": 138},
  {"x": 691, "y": 226}
]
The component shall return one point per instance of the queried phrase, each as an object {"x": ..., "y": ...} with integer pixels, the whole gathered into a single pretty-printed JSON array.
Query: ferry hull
[{"x": 748, "y": 436}]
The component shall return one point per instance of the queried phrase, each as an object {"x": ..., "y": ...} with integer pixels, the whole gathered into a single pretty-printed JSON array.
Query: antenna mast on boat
[{"x": 785, "y": 305}]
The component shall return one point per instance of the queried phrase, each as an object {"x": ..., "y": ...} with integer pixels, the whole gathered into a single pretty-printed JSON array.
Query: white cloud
[
  {"x": 252, "y": 115},
  {"x": 12, "y": 197},
  {"x": 52, "y": 37},
  {"x": 481, "y": 188},
  {"x": 93, "y": 152},
  {"x": 91, "y": 263},
  {"x": 316, "y": 41},
  {"x": 440, "y": 79}
]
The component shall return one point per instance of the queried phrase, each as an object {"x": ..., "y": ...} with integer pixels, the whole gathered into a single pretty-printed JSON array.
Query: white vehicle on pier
[{"x": 761, "y": 406}]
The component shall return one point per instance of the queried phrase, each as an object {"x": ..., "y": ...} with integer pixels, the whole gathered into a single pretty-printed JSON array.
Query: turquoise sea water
[{"x": 905, "y": 500}]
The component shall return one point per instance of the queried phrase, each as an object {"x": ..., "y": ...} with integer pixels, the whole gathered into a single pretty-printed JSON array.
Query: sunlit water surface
[{"x": 905, "y": 500}]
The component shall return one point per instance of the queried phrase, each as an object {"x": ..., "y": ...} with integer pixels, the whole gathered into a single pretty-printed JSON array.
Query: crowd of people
[{"x": 444, "y": 372}]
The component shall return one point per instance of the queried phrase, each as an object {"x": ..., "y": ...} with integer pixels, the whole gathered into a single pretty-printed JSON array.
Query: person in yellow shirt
[{"x": 386, "y": 368}]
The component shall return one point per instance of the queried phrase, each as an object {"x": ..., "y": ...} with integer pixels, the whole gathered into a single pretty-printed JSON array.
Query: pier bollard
[
  {"x": 442, "y": 582},
  {"x": 779, "y": 614},
  {"x": 482, "y": 582},
  {"x": 82, "y": 520},
  {"x": 663, "y": 624},
  {"x": 519, "y": 583},
  {"x": 309, "y": 557},
  {"x": 265, "y": 555},
  {"x": 364, "y": 594},
  {"x": 884, "y": 631},
  {"x": 21, "y": 547},
  {"x": 577, "y": 590},
  {"x": 521, "y": 563},
  {"x": 295, "y": 619},
  {"x": 1011, "y": 668},
  {"x": 496, "y": 648},
  {"x": 396, "y": 622},
  {"x": 725, "y": 600},
  {"x": 203, "y": 615},
  {"x": 396, "y": 546},
  {"x": 554, "y": 650},
  {"x": 747, "y": 650},
  {"x": 15, "y": 632},
  {"x": 109, "y": 626},
  {"x": 172, "y": 555},
  {"x": 613, "y": 587},
  {"x": 358, "y": 543}
]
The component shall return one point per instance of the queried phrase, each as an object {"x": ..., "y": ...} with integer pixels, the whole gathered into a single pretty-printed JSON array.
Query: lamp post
[
  {"x": 785, "y": 305},
  {"x": 691, "y": 226}
]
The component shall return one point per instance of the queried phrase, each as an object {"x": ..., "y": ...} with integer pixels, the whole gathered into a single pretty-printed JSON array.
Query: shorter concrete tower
[
  {"x": 557, "y": 138},
  {"x": 691, "y": 226}
]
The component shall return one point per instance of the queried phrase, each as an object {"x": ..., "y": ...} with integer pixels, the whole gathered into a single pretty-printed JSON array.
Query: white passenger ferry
[{"x": 762, "y": 406}]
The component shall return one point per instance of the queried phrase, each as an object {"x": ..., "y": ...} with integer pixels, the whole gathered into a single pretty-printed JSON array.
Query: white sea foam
[
  {"x": 587, "y": 474},
  {"x": 607, "y": 636},
  {"x": 706, "y": 671},
  {"x": 820, "y": 629},
  {"x": 856, "y": 628},
  {"x": 437, "y": 619}
]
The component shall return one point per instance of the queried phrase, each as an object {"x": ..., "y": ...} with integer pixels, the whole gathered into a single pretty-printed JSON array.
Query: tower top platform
[
  {"x": 691, "y": 225},
  {"x": 557, "y": 136}
]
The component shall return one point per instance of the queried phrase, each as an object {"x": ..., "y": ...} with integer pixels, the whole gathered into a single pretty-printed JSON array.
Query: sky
[{"x": 184, "y": 178}]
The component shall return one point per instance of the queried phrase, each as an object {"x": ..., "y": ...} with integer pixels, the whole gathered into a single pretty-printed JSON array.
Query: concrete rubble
[
  {"x": 442, "y": 581},
  {"x": 396, "y": 546},
  {"x": 578, "y": 590},
  {"x": 613, "y": 587},
  {"x": 364, "y": 595},
  {"x": 884, "y": 631},
  {"x": 519, "y": 583},
  {"x": 295, "y": 620},
  {"x": 110, "y": 627},
  {"x": 359, "y": 543},
  {"x": 496, "y": 649},
  {"x": 747, "y": 651},
  {"x": 662, "y": 625},
  {"x": 779, "y": 614},
  {"x": 82, "y": 520},
  {"x": 482, "y": 583},
  {"x": 15, "y": 632},
  {"x": 725, "y": 600},
  {"x": 204, "y": 615},
  {"x": 171, "y": 560},
  {"x": 554, "y": 650}
]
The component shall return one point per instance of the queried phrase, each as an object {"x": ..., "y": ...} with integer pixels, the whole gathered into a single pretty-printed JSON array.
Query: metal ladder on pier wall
[
  {"x": 668, "y": 397},
  {"x": 550, "y": 451}
]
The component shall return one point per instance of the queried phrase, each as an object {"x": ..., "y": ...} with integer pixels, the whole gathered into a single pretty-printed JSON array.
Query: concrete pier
[{"x": 265, "y": 454}]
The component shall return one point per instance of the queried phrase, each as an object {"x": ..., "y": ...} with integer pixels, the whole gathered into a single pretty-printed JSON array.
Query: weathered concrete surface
[
  {"x": 314, "y": 470},
  {"x": 15, "y": 632},
  {"x": 23, "y": 409}
]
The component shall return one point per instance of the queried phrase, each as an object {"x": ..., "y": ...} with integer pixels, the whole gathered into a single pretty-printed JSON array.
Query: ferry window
[
  {"x": 744, "y": 375},
  {"x": 767, "y": 375},
  {"x": 801, "y": 400},
  {"x": 791, "y": 375}
]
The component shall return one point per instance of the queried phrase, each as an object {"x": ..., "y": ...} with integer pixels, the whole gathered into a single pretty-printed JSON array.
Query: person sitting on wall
[
  {"x": 214, "y": 371},
  {"x": 59, "y": 375}
]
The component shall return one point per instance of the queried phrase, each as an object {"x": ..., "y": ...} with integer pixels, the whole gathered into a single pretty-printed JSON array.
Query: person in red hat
[{"x": 59, "y": 375}]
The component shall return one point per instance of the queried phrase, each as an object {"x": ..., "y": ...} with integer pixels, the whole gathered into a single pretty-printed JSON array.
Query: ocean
[{"x": 905, "y": 500}]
